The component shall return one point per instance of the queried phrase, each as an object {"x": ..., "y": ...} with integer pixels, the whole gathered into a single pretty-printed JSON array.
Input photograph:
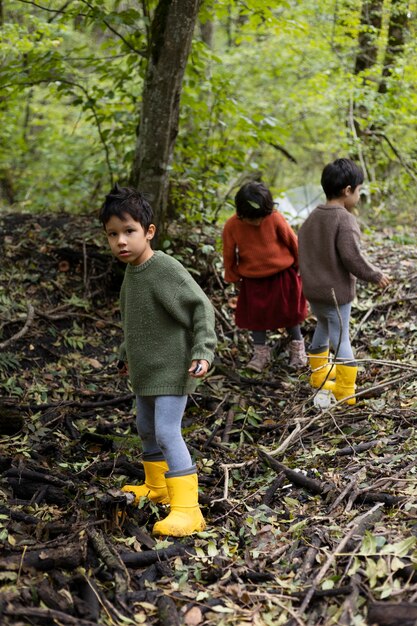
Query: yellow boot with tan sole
[
  {"x": 185, "y": 517},
  {"x": 345, "y": 383},
  {"x": 321, "y": 370},
  {"x": 155, "y": 487}
]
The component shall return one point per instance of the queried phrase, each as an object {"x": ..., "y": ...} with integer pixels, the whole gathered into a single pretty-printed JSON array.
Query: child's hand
[
  {"x": 122, "y": 368},
  {"x": 232, "y": 301},
  {"x": 198, "y": 369},
  {"x": 384, "y": 281}
]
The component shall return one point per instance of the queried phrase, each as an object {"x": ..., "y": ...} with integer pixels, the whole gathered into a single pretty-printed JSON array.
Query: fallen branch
[
  {"x": 37, "y": 477},
  {"x": 297, "y": 478},
  {"x": 78, "y": 404},
  {"x": 23, "y": 331},
  {"x": 331, "y": 558},
  {"x": 367, "y": 445},
  {"x": 310, "y": 557},
  {"x": 392, "y": 614},
  {"x": 315, "y": 486},
  {"x": 378, "y": 305},
  {"x": 67, "y": 557},
  {"x": 48, "y": 615},
  {"x": 112, "y": 560},
  {"x": 350, "y": 608},
  {"x": 230, "y": 416},
  {"x": 147, "y": 557}
]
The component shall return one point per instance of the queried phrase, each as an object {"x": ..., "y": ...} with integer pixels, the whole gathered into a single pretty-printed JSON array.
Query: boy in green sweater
[{"x": 169, "y": 342}]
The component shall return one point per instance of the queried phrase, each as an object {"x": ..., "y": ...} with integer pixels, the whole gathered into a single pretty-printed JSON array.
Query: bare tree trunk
[
  {"x": 397, "y": 30},
  {"x": 170, "y": 41},
  {"x": 207, "y": 31},
  {"x": 369, "y": 131},
  {"x": 371, "y": 21},
  {"x": 366, "y": 57}
]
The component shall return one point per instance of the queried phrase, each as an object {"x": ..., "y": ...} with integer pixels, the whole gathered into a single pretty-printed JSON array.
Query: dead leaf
[
  {"x": 95, "y": 363},
  {"x": 193, "y": 617}
]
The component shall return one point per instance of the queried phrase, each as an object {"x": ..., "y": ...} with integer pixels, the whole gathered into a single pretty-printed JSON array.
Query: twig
[
  {"x": 78, "y": 404},
  {"x": 284, "y": 445},
  {"x": 297, "y": 478},
  {"x": 356, "y": 139},
  {"x": 111, "y": 559},
  {"x": 49, "y": 615},
  {"x": 23, "y": 331},
  {"x": 378, "y": 305},
  {"x": 229, "y": 422},
  {"x": 352, "y": 483},
  {"x": 223, "y": 319},
  {"x": 226, "y": 467},
  {"x": 339, "y": 340},
  {"x": 85, "y": 268},
  {"x": 318, "y": 578},
  {"x": 310, "y": 556}
]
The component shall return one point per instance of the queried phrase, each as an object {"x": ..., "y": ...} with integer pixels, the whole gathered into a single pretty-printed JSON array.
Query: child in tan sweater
[{"x": 330, "y": 261}]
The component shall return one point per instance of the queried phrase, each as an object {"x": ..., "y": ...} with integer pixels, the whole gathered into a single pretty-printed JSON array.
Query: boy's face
[
  {"x": 128, "y": 240},
  {"x": 352, "y": 197}
]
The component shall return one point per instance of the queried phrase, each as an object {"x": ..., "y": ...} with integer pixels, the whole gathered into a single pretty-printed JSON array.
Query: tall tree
[
  {"x": 170, "y": 41},
  {"x": 397, "y": 31},
  {"x": 370, "y": 26}
]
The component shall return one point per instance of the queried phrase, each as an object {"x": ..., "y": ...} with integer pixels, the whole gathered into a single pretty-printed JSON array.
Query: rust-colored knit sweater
[{"x": 257, "y": 251}]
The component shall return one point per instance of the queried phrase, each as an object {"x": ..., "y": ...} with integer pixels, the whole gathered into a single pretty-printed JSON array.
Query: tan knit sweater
[{"x": 330, "y": 256}]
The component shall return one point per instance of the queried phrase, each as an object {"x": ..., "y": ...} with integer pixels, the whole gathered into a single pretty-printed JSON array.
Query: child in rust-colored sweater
[{"x": 260, "y": 255}]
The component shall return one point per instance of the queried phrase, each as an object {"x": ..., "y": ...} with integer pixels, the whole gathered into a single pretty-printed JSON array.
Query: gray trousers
[
  {"x": 158, "y": 420},
  {"x": 331, "y": 329}
]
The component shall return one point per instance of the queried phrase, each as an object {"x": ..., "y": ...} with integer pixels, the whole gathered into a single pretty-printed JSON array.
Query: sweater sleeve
[
  {"x": 348, "y": 246},
  {"x": 229, "y": 256},
  {"x": 122, "y": 349},
  {"x": 191, "y": 308},
  {"x": 286, "y": 234}
]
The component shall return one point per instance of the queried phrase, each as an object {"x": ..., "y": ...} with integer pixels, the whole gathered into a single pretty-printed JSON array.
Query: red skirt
[{"x": 272, "y": 302}]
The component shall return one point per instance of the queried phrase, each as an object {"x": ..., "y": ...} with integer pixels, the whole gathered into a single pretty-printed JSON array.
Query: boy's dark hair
[
  {"x": 122, "y": 200},
  {"x": 253, "y": 200},
  {"x": 338, "y": 175}
]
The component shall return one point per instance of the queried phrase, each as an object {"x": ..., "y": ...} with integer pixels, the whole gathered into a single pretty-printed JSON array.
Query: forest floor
[{"x": 311, "y": 513}]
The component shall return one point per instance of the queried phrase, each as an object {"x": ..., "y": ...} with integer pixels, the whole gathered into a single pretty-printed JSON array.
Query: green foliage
[
  {"x": 272, "y": 97},
  {"x": 8, "y": 362}
]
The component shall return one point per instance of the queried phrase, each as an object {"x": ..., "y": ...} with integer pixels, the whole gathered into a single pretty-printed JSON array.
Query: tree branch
[{"x": 23, "y": 331}]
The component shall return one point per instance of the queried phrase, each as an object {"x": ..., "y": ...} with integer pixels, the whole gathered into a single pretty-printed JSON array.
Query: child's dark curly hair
[{"x": 122, "y": 200}]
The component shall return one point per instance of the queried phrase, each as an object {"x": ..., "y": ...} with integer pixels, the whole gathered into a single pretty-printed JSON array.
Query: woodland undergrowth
[{"x": 311, "y": 514}]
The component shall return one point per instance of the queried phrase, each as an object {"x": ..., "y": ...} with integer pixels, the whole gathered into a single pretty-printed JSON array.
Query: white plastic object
[{"x": 323, "y": 399}]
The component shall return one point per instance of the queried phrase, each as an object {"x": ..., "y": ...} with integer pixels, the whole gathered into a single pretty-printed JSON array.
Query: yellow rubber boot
[
  {"x": 155, "y": 487},
  {"x": 345, "y": 382},
  {"x": 185, "y": 517},
  {"x": 321, "y": 370}
]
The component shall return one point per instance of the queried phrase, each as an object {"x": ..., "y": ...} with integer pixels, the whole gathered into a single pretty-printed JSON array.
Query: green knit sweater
[{"x": 167, "y": 322}]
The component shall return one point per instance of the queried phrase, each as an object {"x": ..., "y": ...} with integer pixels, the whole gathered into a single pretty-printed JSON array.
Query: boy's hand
[
  {"x": 199, "y": 368},
  {"x": 384, "y": 281},
  {"x": 122, "y": 368}
]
